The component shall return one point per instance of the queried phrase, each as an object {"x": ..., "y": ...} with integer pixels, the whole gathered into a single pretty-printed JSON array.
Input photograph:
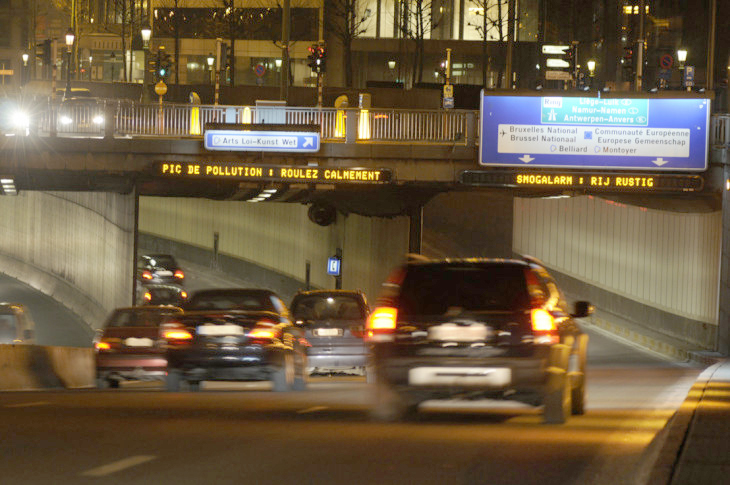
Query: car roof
[
  {"x": 328, "y": 292},
  {"x": 457, "y": 261},
  {"x": 147, "y": 308}
]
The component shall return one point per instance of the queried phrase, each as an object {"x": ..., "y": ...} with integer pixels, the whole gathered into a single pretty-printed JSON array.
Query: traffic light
[
  {"x": 317, "y": 59},
  {"x": 322, "y": 59},
  {"x": 628, "y": 59},
  {"x": 312, "y": 57},
  {"x": 163, "y": 65}
]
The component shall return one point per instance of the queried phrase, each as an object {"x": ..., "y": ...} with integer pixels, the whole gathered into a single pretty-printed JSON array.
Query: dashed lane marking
[
  {"x": 118, "y": 466},
  {"x": 313, "y": 409},
  {"x": 27, "y": 404}
]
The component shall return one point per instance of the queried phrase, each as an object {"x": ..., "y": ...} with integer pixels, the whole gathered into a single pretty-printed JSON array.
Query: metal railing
[{"x": 123, "y": 118}]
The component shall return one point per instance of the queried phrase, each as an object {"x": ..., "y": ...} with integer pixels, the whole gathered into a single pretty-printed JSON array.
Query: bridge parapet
[{"x": 350, "y": 125}]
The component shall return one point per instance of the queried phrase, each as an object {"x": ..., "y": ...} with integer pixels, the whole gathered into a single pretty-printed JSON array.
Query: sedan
[
  {"x": 129, "y": 346},
  {"x": 235, "y": 335}
]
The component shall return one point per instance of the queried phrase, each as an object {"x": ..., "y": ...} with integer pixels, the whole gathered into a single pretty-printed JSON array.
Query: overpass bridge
[{"x": 652, "y": 257}]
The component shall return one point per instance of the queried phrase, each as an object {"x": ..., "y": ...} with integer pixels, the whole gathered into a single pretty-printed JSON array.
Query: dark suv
[{"x": 477, "y": 328}]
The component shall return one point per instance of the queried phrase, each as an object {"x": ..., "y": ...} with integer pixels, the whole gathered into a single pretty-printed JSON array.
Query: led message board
[
  {"x": 589, "y": 181},
  {"x": 272, "y": 173},
  {"x": 595, "y": 133}
]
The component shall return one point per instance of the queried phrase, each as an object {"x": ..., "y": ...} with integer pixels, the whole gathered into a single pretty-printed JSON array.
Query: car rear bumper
[
  {"x": 333, "y": 362},
  {"x": 524, "y": 374},
  {"x": 247, "y": 363},
  {"x": 137, "y": 367}
]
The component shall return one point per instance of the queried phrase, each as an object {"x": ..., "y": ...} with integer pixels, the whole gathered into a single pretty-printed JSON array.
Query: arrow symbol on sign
[
  {"x": 659, "y": 161},
  {"x": 308, "y": 141},
  {"x": 526, "y": 158}
]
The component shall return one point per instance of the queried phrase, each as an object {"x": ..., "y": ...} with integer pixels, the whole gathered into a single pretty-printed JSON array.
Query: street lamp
[
  {"x": 681, "y": 57},
  {"x": 210, "y": 61},
  {"x": 70, "y": 37},
  {"x": 591, "y": 71},
  {"x": 146, "y": 33}
]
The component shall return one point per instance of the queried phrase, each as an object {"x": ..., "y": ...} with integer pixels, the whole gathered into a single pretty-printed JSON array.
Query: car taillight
[
  {"x": 183, "y": 295},
  {"x": 177, "y": 334},
  {"x": 543, "y": 326},
  {"x": 147, "y": 296},
  {"x": 146, "y": 275},
  {"x": 381, "y": 323},
  {"x": 179, "y": 274},
  {"x": 264, "y": 330},
  {"x": 102, "y": 345}
]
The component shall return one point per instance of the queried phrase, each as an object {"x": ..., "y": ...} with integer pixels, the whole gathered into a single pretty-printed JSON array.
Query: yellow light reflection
[
  {"x": 195, "y": 121},
  {"x": 363, "y": 127},
  {"x": 340, "y": 124}
]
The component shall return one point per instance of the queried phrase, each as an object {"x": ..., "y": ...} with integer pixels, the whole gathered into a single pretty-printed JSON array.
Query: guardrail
[{"x": 120, "y": 118}]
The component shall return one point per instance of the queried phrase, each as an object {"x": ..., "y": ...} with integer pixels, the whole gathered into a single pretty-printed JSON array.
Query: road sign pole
[{"x": 216, "y": 95}]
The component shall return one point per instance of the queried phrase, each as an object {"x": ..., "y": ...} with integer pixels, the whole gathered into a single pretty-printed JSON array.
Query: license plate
[
  {"x": 220, "y": 330},
  {"x": 164, "y": 273},
  {"x": 452, "y": 332},
  {"x": 327, "y": 332},
  {"x": 460, "y": 376},
  {"x": 138, "y": 342}
]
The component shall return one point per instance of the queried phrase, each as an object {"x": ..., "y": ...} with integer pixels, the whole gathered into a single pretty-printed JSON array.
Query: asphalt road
[{"x": 243, "y": 433}]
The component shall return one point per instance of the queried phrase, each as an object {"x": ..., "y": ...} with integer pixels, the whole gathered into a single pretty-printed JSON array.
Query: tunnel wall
[
  {"x": 75, "y": 247},
  {"x": 272, "y": 242},
  {"x": 655, "y": 268}
]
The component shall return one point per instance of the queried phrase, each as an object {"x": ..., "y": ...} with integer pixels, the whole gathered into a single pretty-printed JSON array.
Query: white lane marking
[
  {"x": 118, "y": 466},
  {"x": 313, "y": 409},
  {"x": 27, "y": 404}
]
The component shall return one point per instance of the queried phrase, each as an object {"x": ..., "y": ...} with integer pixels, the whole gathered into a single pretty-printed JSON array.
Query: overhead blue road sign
[
  {"x": 591, "y": 133},
  {"x": 261, "y": 141},
  {"x": 333, "y": 266}
]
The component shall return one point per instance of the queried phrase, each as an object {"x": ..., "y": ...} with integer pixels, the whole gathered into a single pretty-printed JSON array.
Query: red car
[{"x": 130, "y": 348}]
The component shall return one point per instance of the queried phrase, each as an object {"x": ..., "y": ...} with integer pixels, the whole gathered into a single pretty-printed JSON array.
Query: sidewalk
[{"x": 696, "y": 448}]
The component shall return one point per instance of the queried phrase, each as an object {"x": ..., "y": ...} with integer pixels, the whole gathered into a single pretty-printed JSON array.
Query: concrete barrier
[{"x": 42, "y": 367}]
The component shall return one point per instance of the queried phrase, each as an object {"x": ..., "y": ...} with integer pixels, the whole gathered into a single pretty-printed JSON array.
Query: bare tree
[
  {"x": 416, "y": 20},
  {"x": 347, "y": 20},
  {"x": 491, "y": 27}
]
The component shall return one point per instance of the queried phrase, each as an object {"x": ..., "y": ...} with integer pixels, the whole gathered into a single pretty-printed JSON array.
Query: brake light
[
  {"x": 147, "y": 296},
  {"x": 102, "y": 345},
  {"x": 263, "y": 333},
  {"x": 179, "y": 274},
  {"x": 177, "y": 334},
  {"x": 382, "y": 318},
  {"x": 146, "y": 275},
  {"x": 381, "y": 324},
  {"x": 542, "y": 321},
  {"x": 183, "y": 295}
]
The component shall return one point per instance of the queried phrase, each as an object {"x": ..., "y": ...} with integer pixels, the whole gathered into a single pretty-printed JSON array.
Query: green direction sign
[{"x": 595, "y": 111}]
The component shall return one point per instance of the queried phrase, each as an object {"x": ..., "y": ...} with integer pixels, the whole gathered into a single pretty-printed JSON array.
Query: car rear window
[
  {"x": 7, "y": 327},
  {"x": 435, "y": 289},
  {"x": 253, "y": 301},
  {"x": 163, "y": 261},
  {"x": 138, "y": 318},
  {"x": 323, "y": 307}
]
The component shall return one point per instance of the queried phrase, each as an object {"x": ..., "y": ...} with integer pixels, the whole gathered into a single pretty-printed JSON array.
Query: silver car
[{"x": 334, "y": 322}]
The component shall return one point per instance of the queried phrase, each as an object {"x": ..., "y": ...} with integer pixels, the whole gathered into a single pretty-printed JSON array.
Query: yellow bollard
[{"x": 195, "y": 120}]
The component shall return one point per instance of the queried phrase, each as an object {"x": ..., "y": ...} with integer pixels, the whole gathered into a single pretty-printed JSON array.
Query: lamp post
[
  {"x": 24, "y": 73},
  {"x": 591, "y": 71},
  {"x": 681, "y": 57},
  {"x": 146, "y": 33},
  {"x": 91, "y": 60},
  {"x": 210, "y": 60},
  {"x": 70, "y": 37}
]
